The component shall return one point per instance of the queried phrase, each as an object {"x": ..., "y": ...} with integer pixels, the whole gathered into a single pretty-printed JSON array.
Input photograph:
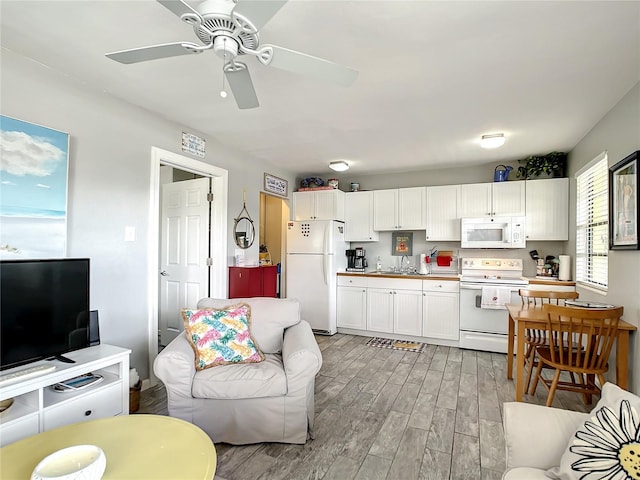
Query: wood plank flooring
[{"x": 388, "y": 414}]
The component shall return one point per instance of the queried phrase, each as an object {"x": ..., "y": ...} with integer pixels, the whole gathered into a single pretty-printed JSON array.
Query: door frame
[{"x": 218, "y": 279}]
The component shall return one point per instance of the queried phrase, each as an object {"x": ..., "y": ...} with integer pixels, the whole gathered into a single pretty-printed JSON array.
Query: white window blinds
[{"x": 592, "y": 224}]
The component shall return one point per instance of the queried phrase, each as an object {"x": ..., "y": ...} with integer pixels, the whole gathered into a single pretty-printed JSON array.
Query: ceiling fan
[{"x": 230, "y": 28}]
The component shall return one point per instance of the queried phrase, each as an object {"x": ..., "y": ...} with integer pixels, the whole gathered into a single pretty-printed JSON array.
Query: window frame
[{"x": 592, "y": 219}]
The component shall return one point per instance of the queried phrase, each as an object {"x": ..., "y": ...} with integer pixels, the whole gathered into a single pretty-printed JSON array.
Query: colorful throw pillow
[
  {"x": 221, "y": 336},
  {"x": 607, "y": 446}
]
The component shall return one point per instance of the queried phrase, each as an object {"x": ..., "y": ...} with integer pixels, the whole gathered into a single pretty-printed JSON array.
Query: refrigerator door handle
[{"x": 325, "y": 253}]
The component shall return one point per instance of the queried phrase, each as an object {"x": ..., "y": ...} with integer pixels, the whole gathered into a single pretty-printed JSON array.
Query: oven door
[{"x": 486, "y": 320}]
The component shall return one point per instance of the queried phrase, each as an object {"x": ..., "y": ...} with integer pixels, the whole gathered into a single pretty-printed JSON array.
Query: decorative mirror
[{"x": 244, "y": 232}]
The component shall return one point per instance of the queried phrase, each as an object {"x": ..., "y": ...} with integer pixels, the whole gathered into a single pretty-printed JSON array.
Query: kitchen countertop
[
  {"x": 550, "y": 281},
  {"x": 432, "y": 276}
]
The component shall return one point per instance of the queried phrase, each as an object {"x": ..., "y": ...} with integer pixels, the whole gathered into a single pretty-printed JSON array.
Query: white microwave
[{"x": 492, "y": 232}]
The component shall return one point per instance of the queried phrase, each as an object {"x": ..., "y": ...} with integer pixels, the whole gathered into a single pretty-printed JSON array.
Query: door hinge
[
  {"x": 209, "y": 197},
  {"x": 209, "y": 261}
]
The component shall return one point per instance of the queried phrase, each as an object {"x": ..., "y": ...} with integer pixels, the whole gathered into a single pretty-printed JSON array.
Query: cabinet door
[
  {"x": 304, "y": 205},
  {"x": 440, "y": 315},
  {"x": 411, "y": 208},
  {"x": 407, "y": 315},
  {"x": 508, "y": 198},
  {"x": 245, "y": 282},
  {"x": 359, "y": 217},
  {"x": 385, "y": 209},
  {"x": 329, "y": 205},
  {"x": 475, "y": 200},
  {"x": 380, "y": 310},
  {"x": 269, "y": 281},
  {"x": 547, "y": 209},
  {"x": 352, "y": 307},
  {"x": 443, "y": 222}
]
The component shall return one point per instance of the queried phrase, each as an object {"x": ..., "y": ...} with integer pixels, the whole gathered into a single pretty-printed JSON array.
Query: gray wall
[
  {"x": 109, "y": 178},
  {"x": 619, "y": 134}
]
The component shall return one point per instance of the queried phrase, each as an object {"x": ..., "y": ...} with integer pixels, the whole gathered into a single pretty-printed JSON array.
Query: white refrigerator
[{"x": 315, "y": 253}]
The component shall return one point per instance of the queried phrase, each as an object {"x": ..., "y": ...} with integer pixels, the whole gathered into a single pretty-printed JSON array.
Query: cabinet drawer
[
  {"x": 105, "y": 402},
  {"x": 352, "y": 281},
  {"x": 396, "y": 283},
  {"x": 19, "y": 429},
  {"x": 440, "y": 286}
]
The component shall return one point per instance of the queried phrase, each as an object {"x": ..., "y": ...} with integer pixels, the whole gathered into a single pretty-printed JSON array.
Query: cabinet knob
[{"x": 87, "y": 413}]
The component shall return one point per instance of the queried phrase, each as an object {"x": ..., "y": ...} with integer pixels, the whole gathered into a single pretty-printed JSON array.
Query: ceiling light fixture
[
  {"x": 492, "y": 141},
  {"x": 339, "y": 166}
]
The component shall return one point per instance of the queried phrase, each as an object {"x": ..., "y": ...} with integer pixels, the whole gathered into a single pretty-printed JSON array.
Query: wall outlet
[{"x": 129, "y": 234}]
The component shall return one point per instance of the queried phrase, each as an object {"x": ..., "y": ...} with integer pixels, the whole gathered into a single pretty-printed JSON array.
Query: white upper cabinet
[
  {"x": 399, "y": 209},
  {"x": 492, "y": 199},
  {"x": 443, "y": 221},
  {"x": 320, "y": 205},
  {"x": 358, "y": 212},
  {"x": 547, "y": 209}
]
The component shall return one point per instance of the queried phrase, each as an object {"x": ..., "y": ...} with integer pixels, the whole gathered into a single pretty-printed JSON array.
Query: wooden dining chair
[
  {"x": 535, "y": 337},
  {"x": 591, "y": 334}
]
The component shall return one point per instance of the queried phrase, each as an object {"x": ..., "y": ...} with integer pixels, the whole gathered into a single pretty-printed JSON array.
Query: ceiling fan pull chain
[{"x": 223, "y": 93}]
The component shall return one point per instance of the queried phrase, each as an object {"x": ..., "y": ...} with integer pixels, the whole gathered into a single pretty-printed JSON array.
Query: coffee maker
[{"x": 356, "y": 261}]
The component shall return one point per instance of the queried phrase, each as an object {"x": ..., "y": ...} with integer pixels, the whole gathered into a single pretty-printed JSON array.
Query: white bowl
[{"x": 80, "y": 462}]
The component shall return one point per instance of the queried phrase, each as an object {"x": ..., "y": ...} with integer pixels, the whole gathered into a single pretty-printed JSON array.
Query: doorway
[
  {"x": 218, "y": 235},
  {"x": 274, "y": 215}
]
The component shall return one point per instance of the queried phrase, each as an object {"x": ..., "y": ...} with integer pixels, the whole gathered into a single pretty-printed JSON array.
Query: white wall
[
  {"x": 619, "y": 134},
  {"x": 109, "y": 169}
]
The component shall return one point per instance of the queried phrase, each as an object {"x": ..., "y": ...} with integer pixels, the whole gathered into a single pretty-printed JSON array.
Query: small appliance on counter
[{"x": 356, "y": 261}]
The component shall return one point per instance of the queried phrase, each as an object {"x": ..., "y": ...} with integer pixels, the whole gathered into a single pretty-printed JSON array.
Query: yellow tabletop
[{"x": 136, "y": 447}]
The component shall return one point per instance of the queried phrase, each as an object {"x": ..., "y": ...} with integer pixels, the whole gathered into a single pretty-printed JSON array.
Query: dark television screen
[{"x": 44, "y": 307}]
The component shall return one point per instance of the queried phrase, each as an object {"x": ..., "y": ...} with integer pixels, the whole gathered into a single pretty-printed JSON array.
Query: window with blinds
[{"x": 592, "y": 224}]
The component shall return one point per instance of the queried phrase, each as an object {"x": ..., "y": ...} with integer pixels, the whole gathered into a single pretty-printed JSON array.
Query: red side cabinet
[{"x": 256, "y": 281}]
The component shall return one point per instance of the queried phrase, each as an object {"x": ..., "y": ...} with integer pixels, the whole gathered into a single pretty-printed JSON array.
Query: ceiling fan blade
[
  {"x": 178, "y": 7},
  {"x": 258, "y": 11},
  {"x": 154, "y": 52},
  {"x": 237, "y": 75},
  {"x": 298, "y": 62}
]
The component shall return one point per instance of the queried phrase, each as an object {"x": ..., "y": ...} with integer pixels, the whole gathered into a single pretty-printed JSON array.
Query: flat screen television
[{"x": 44, "y": 309}]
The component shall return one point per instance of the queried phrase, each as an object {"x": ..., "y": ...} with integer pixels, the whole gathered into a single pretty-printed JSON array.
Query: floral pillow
[
  {"x": 221, "y": 336},
  {"x": 607, "y": 446}
]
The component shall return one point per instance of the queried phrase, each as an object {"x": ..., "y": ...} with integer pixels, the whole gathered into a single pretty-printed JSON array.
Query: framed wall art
[
  {"x": 33, "y": 204},
  {"x": 273, "y": 184},
  {"x": 402, "y": 243},
  {"x": 623, "y": 204}
]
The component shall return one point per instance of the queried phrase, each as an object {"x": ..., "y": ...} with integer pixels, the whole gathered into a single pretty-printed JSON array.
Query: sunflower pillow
[
  {"x": 607, "y": 446},
  {"x": 221, "y": 336}
]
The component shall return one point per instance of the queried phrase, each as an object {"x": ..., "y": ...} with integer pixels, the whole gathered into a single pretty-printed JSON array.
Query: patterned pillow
[
  {"x": 221, "y": 336},
  {"x": 607, "y": 446}
]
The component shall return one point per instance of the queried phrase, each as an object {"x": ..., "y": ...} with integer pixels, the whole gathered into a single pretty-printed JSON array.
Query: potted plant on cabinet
[{"x": 549, "y": 165}]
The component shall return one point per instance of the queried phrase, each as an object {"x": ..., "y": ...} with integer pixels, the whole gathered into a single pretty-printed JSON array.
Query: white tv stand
[{"x": 37, "y": 407}]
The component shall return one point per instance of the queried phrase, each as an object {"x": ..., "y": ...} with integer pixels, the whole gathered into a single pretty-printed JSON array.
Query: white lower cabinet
[
  {"x": 440, "y": 309},
  {"x": 394, "y": 306},
  {"x": 352, "y": 302}
]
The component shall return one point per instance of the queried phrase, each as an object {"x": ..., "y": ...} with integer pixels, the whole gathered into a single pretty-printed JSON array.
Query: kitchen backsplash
[{"x": 382, "y": 249}]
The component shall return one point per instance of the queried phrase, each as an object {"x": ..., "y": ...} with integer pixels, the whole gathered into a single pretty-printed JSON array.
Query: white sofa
[
  {"x": 270, "y": 401},
  {"x": 536, "y": 437}
]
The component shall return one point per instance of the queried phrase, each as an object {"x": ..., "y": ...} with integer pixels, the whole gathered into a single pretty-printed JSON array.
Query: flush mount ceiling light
[
  {"x": 339, "y": 166},
  {"x": 492, "y": 141}
]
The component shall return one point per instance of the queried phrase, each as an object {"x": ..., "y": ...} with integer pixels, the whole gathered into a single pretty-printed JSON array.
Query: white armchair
[
  {"x": 536, "y": 437},
  {"x": 270, "y": 401}
]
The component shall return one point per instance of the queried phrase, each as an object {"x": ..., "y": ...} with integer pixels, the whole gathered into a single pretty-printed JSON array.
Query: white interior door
[{"x": 184, "y": 274}]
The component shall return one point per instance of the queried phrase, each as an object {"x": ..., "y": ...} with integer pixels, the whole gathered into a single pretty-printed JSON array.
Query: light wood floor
[{"x": 388, "y": 414}]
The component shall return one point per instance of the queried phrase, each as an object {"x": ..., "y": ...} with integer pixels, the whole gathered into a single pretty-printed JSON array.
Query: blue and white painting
[{"x": 33, "y": 190}]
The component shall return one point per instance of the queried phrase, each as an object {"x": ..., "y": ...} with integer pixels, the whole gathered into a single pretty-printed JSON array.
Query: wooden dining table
[{"x": 522, "y": 317}]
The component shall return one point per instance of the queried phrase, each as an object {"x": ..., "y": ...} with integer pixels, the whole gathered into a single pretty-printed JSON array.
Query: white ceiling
[{"x": 434, "y": 76}]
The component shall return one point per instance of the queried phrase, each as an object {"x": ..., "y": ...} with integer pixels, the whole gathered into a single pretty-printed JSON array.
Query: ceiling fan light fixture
[
  {"x": 339, "y": 166},
  {"x": 494, "y": 140}
]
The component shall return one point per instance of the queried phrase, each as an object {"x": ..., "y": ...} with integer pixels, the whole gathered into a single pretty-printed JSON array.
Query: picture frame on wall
[
  {"x": 277, "y": 185},
  {"x": 33, "y": 204},
  {"x": 623, "y": 204},
  {"x": 402, "y": 243}
]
